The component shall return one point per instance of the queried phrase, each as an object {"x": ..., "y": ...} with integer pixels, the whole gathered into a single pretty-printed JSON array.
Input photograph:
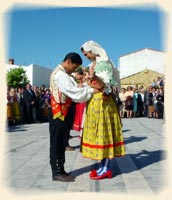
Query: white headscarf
[{"x": 96, "y": 49}]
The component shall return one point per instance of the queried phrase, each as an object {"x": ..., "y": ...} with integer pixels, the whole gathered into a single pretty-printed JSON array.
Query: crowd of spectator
[
  {"x": 137, "y": 101},
  {"x": 31, "y": 104},
  {"x": 27, "y": 105}
]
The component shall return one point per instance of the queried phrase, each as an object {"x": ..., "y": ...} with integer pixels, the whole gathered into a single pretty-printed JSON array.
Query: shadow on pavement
[
  {"x": 133, "y": 139},
  {"x": 83, "y": 170},
  {"x": 141, "y": 160},
  {"x": 126, "y": 130},
  {"x": 145, "y": 158},
  {"x": 16, "y": 128}
]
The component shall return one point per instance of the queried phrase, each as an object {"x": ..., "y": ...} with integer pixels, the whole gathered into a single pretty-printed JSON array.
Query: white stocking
[{"x": 104, "y": 168}]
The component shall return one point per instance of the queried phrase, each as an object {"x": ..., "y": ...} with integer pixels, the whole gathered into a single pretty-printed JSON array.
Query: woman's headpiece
[{"x": 96, "y": 49}]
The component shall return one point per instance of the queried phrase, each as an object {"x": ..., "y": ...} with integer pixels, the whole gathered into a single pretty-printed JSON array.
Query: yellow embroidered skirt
[
  {"x": 102, "y": 134},
  {"x": 10, "y": 115},
  {"x": 16, "y": 110}
]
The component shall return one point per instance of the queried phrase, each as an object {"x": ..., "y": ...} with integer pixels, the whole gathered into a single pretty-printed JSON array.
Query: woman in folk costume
[
  {"x": 102, "y": 135},
  {"x": 10, "y": 115},
  {"x": 15, "y": 105}
]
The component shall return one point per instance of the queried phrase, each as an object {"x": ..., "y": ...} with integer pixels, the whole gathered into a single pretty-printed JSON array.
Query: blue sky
[{"x": 44, "y": 36}]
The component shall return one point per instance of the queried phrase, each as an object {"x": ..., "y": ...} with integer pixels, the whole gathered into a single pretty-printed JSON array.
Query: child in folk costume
[{"x": 80, "y": 107}]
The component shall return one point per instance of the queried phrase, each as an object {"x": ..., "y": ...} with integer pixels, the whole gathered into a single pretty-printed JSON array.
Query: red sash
[{"x": 60, "y": 110}]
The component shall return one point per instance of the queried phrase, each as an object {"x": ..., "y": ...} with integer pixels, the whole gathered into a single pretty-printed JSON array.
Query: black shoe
[
  {"x": 67, "y": 174},
  {"x": 63, "y": 178}
]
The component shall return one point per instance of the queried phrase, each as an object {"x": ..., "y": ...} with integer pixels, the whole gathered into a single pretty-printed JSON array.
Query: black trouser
[
  {"x": 160, "y": 110},
  {"x": 69, "y": 119},
  {"x": 58, "y": 137},
  {"x": 28, "y": 113}
]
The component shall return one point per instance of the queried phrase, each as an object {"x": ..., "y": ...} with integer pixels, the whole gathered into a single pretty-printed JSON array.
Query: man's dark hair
[{"x": 74, "y": 57}]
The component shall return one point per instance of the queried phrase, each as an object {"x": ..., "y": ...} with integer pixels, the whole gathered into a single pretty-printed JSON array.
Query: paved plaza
[{"x": 142, "y": 170}]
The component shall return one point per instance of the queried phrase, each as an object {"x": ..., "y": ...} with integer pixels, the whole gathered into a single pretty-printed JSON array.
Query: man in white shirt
[{"x": 64, "y": 90}]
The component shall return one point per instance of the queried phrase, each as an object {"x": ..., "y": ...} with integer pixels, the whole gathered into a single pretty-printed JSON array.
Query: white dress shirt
[{"x": 69, "y": 87}]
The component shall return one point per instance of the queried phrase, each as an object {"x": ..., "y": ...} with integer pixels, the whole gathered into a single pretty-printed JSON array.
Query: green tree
[{"x": 17, "y": 78}]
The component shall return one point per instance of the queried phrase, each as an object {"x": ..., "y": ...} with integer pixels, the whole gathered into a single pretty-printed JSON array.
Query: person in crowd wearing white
[{"x": 122, "y": 98}]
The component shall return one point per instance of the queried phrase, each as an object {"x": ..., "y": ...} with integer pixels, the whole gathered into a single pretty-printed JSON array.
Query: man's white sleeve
[{"x": 69, "y": 88}]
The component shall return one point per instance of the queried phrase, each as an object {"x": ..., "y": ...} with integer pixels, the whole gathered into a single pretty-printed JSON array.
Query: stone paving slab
[{"x": 142, "y": 170}]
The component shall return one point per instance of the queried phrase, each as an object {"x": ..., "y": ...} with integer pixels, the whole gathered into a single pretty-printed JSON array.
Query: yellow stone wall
[{"x": 144, "y": 78}]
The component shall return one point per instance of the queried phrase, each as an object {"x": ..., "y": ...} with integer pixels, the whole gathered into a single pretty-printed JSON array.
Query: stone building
[{"x": 141, "y": 67}]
